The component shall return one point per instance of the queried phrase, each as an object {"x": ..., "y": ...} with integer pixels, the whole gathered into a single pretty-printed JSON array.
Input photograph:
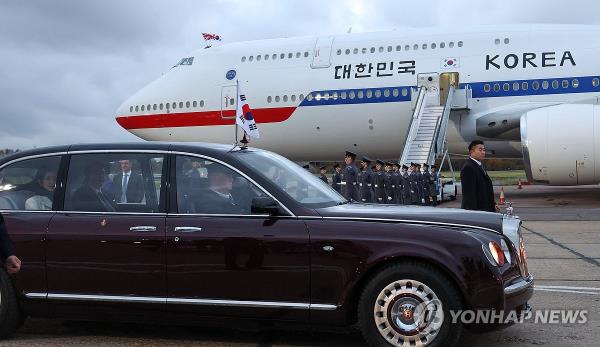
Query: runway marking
[
  {"x": 568, "y": 287},
  {"x": 566, "y": 291},
  {"x": 556, "y": 243}
]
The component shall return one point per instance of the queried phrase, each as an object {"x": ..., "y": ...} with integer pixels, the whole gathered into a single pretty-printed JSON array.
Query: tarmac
[{"x": 562, "y": 238}]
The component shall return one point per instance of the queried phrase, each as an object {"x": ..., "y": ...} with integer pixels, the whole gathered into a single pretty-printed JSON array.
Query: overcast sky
[{"x": 66, "y": 65}]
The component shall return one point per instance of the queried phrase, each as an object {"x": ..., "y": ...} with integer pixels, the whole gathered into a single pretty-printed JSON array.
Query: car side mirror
[{"x": 264, "y": 204}]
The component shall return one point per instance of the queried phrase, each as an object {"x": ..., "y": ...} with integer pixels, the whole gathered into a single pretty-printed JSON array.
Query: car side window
[
  {"x": 115, "y": 182},
  {"x": 207, "y": 187},
  {"x": 29, "y": 184}
]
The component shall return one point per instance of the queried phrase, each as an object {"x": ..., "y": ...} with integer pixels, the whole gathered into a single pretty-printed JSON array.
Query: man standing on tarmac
[
  {"x": 349, "y": 177},
  {"x": 322, "y": 176},
  {"x": 426, "y": 191},
  {"x": 378, "y": 183},
  {"x": 433, "y": 185},
  {"x": 365, "y": 182},
  {"x": 415, "y": 190},
  {"x": 12, "y": 263},
  {"x": 336, "y": 179},
  {"x": 477, "y": 189}
]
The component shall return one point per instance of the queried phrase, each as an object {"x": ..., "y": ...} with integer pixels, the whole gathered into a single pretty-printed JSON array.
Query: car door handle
[
  {"x": 143, "y": 228},
  {"x": 188, "y": 229}
]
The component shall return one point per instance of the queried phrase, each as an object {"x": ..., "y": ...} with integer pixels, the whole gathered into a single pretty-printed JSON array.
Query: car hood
[{"x": 418, "y": 214}]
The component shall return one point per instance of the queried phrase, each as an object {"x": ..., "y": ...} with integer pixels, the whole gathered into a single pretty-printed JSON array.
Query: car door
[
  {"x": 223, "y": 260},
  {"x": 27, "y": 190},
  {"x": 103, "y": 252}
]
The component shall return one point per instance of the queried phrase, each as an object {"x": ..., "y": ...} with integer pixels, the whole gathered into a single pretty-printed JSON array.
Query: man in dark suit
[
  {"x": 336, "y": 179},
  {"x": 322, "y": 176},
  {"x": 12, "y": 263},
  {"x": 129, "y": 185},
  {"x": 217, "y": 198},
  {"x": 89, "y": 197},
  {"x": 477, "y": 189}
]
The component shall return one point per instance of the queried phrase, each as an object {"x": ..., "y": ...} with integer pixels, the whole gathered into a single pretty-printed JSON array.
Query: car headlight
[{"x": 497, "y": 253}]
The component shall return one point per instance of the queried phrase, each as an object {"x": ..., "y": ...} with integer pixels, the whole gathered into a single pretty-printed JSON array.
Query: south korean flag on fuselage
[{"x": 243, "y": 115}]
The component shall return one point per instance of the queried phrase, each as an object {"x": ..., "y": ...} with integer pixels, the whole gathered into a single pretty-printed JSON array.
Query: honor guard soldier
[
  {"x": 349, "y": 177},
  {"x": 420, "y": 184},
  {"x": 388, "y": 184},
  {"x": 323, "y": 177},
  {"x": 426, "y": 179},
  {"x": 405, "y": 185},
  {"x": 336, "y": 179},
  {"x": 415, "y": 190},
  {"x": 378, "y": 183},
  {"x": 397, "y": 183},
  {"x": 433, "y": 185},
  {"x": 365, "y": 181}
]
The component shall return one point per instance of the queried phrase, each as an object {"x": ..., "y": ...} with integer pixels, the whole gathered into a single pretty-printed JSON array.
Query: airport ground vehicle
[{"x": 280, "y": 247}]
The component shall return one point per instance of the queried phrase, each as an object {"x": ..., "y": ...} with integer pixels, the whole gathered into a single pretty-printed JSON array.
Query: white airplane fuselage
[{"x": 315, "y": 97}]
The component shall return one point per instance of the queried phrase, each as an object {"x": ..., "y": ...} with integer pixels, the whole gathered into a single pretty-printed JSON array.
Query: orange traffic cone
[
  {"x": 519, "y": 186},
  {"x": 502, "y": 200}
]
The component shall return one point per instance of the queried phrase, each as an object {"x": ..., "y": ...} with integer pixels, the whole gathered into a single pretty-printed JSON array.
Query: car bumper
[{"x": 518, "y": 293}]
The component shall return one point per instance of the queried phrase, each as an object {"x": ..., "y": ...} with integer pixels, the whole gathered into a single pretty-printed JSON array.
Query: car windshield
[{"x": 297, "y": 182}]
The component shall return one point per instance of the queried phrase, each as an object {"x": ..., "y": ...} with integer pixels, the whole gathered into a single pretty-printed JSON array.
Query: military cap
[
  {"x": 350, "y": 154},
  {"x": 380, "y": 162},
  {"x": 404, "y": 166},
  {"x": 366, "y": 160},
  {"x": 433, "y": 166},
  {"x": 323, "y": 167},
  {"x": 425, "y": 165},
  {"x": 336, "y": 165}
]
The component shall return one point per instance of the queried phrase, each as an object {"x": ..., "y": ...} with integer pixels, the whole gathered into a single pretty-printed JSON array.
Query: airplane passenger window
[
  {"x": 460, "y": 43},
  {"x": 545, "y": 85},
  {"x": 131, "y": 109},
  {"x": 506, "y": 87},
  {"x": 195, "y": 103},
  {"x": 274, "y": 56},
  {"x": 251, "y": 58},
  {"x": 301, "y": 97},
  {"x": 168, "y": 105},
  {"x": 293, "y": 97},
  {"x": 386, "y": 93},
  {"x": 258, "y": 57},
  {"x": 496, "y": 87},
  {"x": 351, "y": 95},
  {"x": 555, "y": 84},
  {"x": 334, "y": 95},
  {"x": 326, "y": 96},
  {"x": 282, "y": 56},
  {"x": 442, "y": 44},
  {"x": 372, "y": 49},
  {"x": 306, "y": 54},
  {"x": 269, "y": 99},
  {"x": 404, "y": 92},
  {"x": 486, "y": 88},
  {"x": 535, "y": 85},
  {"x": 516, "y": 86},
  {"x": 506, "y": 41},
  {"x": 424, "y": 46},
  {"x": 181, "y": 104},
  {"x": 378, "y": 93},
  {"x": 266, "y": 57},
  {"x": 369, "y": 94},
  {"x": 276, "y": 98},
  {"x": 160, "y": 107},
  {"x": 415, "y": 47},
  {"x": 395, "y": 92},
  {"x": 407, "y": 48},
  {"x": 497, "y": 41},
  {"x": 433, "y": 45},
  {"x": 187, "y": 104},
  {"x": 451, "y": 44},
  {"x": 243, "y": 59},
  {"x": 231, "y": 101},
  {"x": 201, "y": 103},
  {"x": 142, "y": 107},
  {"x": 565, "y": 84},
  {"x": 154, "y": 107},
  {"x": 355, "y": 51},
  {"x": 575, "y": 83},
  {"x": 298, "y": 54},
  {"x": 285, "y": 98},
  {"x": 389, "y": 48},
  {"x": 343, "y": 95},
  {"x": 339, "y": 52},
  {"x": 380, "y": 49},
  {"x": 398, "y": 48},
  {"x": 290, "y": 55},
  {"x": 364, "y": 50},
  {"x": 595, "y": 82},
  {"x": 360, "y": 94}
]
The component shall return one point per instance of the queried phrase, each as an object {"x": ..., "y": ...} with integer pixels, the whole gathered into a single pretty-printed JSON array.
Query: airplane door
[
  {"x": 228, "y": 101},
  {"x": 322, "y": 53},
  {"x": 431, "y": 81}
]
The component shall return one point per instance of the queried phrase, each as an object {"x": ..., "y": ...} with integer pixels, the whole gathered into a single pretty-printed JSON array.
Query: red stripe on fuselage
[{"x": 193, "y": 119}]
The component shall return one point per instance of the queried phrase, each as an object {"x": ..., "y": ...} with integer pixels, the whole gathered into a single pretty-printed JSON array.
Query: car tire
[
  {"x": 387, "y": 307},
  {"x": 11, "y": 317}
]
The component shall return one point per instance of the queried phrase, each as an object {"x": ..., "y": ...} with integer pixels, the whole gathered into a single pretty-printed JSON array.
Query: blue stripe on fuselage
[{"x": 576, "y": 85}]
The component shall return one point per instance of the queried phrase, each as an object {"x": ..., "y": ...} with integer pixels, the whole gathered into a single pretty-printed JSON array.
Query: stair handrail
[
  {"x": 415, "y": 120},
  {"x": 441, "y": 127}
]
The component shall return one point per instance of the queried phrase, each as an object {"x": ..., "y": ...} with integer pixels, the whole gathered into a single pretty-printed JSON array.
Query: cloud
[{"x": 68, "y": 65}]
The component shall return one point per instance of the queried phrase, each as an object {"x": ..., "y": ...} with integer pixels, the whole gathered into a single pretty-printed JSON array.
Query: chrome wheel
[{"x": 408, "y": 313}]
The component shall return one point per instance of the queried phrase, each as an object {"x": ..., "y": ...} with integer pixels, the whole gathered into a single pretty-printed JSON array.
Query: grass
[{"x": 499, "y": 178}]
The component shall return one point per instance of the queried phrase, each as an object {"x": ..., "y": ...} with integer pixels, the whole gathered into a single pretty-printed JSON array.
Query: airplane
[{"x": 527, "y": 91}]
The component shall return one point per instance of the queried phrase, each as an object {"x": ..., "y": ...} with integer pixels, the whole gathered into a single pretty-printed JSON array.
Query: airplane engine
[{"x": 561, "y": 144}]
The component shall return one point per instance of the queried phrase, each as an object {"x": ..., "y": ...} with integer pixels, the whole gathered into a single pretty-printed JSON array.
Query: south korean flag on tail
[{"x": 244, "y": 117}]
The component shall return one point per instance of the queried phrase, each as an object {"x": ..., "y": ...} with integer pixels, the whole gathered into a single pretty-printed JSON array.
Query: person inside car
[
  {"x": 217, "y": 198},
  {"x": 89, "y": 197},
  {"x": 42, "y": 201}
]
